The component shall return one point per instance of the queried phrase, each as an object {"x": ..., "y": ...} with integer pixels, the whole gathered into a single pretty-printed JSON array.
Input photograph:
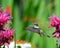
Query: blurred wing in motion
[{"x": 32, "y": 29}]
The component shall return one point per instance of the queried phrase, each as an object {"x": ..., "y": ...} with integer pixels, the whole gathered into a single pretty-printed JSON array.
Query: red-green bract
[{"x": 4, "y": 17}]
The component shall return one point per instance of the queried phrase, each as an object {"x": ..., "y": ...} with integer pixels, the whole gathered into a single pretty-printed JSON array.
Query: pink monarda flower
[
  {"x": 6, "y": 35},
  {"x": 4, "y": 17},
  {"x": 55, "y": 22}
]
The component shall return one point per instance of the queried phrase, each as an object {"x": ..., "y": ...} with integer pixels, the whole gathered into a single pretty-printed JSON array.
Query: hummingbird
[{"x": 36, "y": 29}]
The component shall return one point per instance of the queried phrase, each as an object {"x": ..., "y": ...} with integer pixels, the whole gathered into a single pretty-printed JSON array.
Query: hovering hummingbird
[{"x": 36, "y": 29}]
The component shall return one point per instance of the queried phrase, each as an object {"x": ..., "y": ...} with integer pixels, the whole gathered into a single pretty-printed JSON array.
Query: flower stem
[
  {"x": 4, "y": 46},
  {"x": 58, "y": 43},
  {"x": 14, "y": 40},
  {"x": 8, "y": 46},
  {"x": 0, "y": 46}
]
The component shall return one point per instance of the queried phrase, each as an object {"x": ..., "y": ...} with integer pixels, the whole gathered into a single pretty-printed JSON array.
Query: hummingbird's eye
[{"x": 36, "y": 24}]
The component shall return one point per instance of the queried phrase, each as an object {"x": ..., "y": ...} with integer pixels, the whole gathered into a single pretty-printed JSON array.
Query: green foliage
[{"x": 24, "y": 14}]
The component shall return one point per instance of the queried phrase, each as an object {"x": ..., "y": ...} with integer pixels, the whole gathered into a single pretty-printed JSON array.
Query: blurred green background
[{"x": 26, "y": 12}]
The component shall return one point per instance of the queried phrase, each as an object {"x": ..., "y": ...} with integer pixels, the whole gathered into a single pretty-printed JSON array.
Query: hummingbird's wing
[{"x": 32, "y": 29}]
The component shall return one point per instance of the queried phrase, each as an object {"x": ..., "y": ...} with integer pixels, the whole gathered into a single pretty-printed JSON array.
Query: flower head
[
  {"x": 55, "y": 22},
  {"x": 4, "y": 17},
  {"x": 56, "y": 34},
  {"x": 6, "y": 35}
]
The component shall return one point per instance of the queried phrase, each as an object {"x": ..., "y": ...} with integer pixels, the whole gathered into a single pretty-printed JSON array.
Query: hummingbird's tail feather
[{"x": 46, "y": 35}]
